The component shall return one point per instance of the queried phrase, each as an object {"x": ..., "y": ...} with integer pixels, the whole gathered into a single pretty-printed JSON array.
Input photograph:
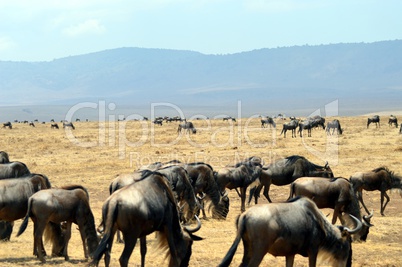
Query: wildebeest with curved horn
[
  {"x": 393, "y": 121},
  {"x": 335, "y": 193},
  {"x": 375, "y": 119},
  {"x": 139, "y": 209},
  {"x": 13, "y": 170},
  {"x": 4, "y": 158},
  {"x": 287, "y": 170},
  {"x": 69, "y": 204},
  {"x": 381, "y": 179},
  {"x": 292, "y": 125},
  {"x": 334, "y": 125},
  {"x": 14, "y": 194},
  {"x": 240, "y": 176},
  {"x": 290, "y": 228},
  {"x": 202, "y": 178},
  {"x": 186, "y": 126}
]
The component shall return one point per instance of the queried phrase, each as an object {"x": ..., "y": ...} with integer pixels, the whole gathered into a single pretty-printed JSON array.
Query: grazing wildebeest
[
  {"x": 317, "y": 121},
  {"x": 290, "y": 228},
  {"x": 67, "y": 205},
  {"x": 7, "y": 124},
  {"x": 285, "y": 171},
  {"x": 139, "y": 209},
  {"x": 381, "y": 179},
  {"x": 292, "y": 125},
  {"x": 375, "y": 119},
  {"x": 202, "y": 179},
  {"x": 241, "y": 177},
  {"x": 334, "y": 125},
  {"x": 4, "y": 158},
  {"x": 13, "y": 169},
  {"x": 268, "y": 120},
  {"x": 305, "y": 125},
  {"x": 187, "y": 126},
  {"x": 54, "y": 126},
  {"x": 335, "y": 193},
  {"x": 229, "y": 119},
  {"x": 179, "y": 182},
  {"x": 393, "y": 120},
  {"x": 68, "y": 124},
  {"x": 32, "y": 124},
  {"x": 14, "y": 194},
  {"x": 158, "y": 122}
]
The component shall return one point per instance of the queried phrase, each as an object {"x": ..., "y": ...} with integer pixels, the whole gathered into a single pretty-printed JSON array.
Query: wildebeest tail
[
  {"x": 240, "y": 222},
  {"x": 109, "y": 216},
  {"x": 24, "y": 223}
]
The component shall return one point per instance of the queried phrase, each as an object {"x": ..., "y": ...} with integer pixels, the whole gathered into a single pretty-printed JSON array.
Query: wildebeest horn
[
  {"x": 198, "y": 227},
  {"x": 326, "y": 165},
  {"x": 358, "y": 225},
  {"x": 203, "y": 195},
  {"x": 366, "y": 219}
]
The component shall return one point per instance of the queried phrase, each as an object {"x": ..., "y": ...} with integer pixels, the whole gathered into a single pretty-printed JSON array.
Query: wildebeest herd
[
  {"x": 164, "y": 197},
  {"x": 164, "y": 190}
]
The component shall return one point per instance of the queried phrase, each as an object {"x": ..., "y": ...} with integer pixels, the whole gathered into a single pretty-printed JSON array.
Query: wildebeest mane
[
  {"x": 200, "y": 163},
  {"x": 146, "y": 173},
  {"x": 391, "y": 174}
]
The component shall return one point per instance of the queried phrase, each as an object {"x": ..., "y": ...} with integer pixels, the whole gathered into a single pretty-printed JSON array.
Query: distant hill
[{"x": 362, "y": 77}]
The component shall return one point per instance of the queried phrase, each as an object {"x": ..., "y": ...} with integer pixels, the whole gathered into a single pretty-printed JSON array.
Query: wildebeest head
[
  {"x": 189, "y": 237},
  {"x": 222, "y": 209},
  {"x": 322, "y": 171}
]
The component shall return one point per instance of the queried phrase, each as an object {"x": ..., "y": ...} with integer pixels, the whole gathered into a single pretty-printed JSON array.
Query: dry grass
[{"x": 122, "y": 148}]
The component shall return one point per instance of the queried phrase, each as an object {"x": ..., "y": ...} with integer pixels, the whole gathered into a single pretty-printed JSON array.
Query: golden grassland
[{"x": 93, "y": 153}]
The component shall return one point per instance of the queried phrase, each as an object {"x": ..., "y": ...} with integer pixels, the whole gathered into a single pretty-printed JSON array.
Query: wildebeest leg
[
  {"x": 243, "y": 198},
  {"x": 109, "y": 248},
  {"x": 67, "y": 237},
  {"x": 293, "y": 133},
  {"x": 336, "y": 214},
  {"x": 143, "y": 248},
  {"x": 81, "y": 227},
  {"x": 39, "y": 228},
  {"x": 238, "y": 193},
  {"x": 254, "y": 192},
  {"x": 360, "y": 197},
  {"x": 290, "y": 260},
  {"x": 309, "y": 132},
  {"x": 266, "y": 192},
  {"x": 383, "y": 194},
  {"x": 119, "y": 240},
  {"x": 129, "y": 243},
  {"x": 312, "y": 259}
]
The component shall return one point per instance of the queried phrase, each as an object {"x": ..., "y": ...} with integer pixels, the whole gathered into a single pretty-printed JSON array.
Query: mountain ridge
[{"x": 362, "y": 77}]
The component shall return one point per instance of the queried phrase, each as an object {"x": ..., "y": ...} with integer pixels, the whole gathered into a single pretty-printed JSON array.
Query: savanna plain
[{"x": 95, "y": 152}]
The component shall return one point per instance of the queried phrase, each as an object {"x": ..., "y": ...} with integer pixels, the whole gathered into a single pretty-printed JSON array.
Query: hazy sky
[{"x": 43, "y": 30}]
